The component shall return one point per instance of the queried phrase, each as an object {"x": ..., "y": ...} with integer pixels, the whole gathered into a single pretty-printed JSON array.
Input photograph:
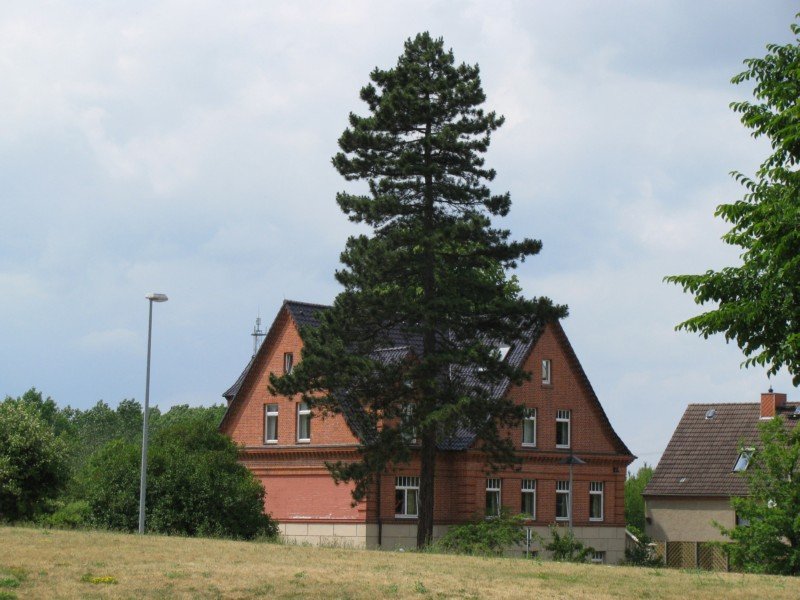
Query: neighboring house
[
  {"x": 699, "y": 473},
  {"x": 286, "y": 445}
]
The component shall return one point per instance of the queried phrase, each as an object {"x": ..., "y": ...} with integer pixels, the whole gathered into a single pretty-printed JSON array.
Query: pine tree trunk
[
  {"x": 426, "y": 487},
  {"x": 428, "y": 449}
]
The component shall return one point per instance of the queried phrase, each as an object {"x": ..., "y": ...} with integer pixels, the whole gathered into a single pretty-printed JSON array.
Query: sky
[{"x": 184, "y": 147}]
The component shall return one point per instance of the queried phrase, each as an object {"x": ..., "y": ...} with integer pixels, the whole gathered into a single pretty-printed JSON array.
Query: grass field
[{"x": 38, "y": 563}]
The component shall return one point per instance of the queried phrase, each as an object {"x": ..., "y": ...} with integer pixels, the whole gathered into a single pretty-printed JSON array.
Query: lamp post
[
  {"x": 143, "y": 481},
  {"x": 571, "y": 460}
]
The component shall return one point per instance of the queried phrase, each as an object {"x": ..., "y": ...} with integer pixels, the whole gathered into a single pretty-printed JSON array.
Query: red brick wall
[
  {"x": 247, "y": 425},
  {"x": 299, "y": 488}
]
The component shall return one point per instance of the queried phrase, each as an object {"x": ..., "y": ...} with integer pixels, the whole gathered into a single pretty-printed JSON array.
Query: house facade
[
  {"x": 287, "y": 445},
  {"x": 698, "y": 474}
]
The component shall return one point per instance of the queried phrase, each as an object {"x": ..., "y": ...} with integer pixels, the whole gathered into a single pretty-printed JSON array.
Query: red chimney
[{"x": 770, "y": 403}]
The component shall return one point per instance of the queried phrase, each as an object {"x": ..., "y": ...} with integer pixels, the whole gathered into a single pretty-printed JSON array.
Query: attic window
[
  {"x": 744, "y": 460},
  {"x": 711, "y": 413},
  {"x": 503, "y": 350},
  {"x": 682, "y": 480}
]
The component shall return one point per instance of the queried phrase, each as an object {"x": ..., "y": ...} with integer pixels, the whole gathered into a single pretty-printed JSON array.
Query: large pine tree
[{"x": 409, "y": 349}]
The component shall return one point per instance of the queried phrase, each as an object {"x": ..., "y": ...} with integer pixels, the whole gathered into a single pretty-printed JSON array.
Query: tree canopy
[
  {"x": 767, "y": 535},
  {"x": 758, "y": 302},
  {"x": 432, "y": 278}
]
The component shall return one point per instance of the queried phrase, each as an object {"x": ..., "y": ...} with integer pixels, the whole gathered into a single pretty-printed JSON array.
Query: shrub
[
  {"x": 566, "y": 547},
  {"x": 485, "y": 537},
  {"x": 68, "y": 515},
  {"x": 640, "y": 553},
  {"x": 195, "y": 486},
  {"x": 32, "y": 466}
]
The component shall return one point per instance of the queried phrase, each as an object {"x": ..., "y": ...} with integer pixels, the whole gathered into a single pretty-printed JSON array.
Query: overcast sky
[{"x": 184, "y": 148}]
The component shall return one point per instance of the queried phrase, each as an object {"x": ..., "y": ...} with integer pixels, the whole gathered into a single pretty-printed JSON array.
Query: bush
[
  {"x": 486, "y": 537},
  {"x": 32, "y": 465},
  {"x": 68, "y": 515},
  {"x": 195, "y": 486},
  {"x": 641, "y": 553},
  {"x": 566, "y": 547}
]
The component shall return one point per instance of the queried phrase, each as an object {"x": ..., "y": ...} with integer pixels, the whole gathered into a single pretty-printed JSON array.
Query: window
[
  {"x": 596, "y": 501},
  {"x": 503, "y": 351},
  {"x": 406, "y": 492},
  {"x": 562, "y": 500},
  {"x": 562, "y": 428},
  {"x": 546, "y": 374},
  {"x": 529, "y": 427},
  {"x": 303, "y": 422},
  {"x": 271, "y": 424},
  {"x": 744, "y": 460},
  {"x": 492, "y": 497},
  {"x": 598, "y": 556},
  {"x": 288, "y": 362},
  {"x": 529, "y": 497}
]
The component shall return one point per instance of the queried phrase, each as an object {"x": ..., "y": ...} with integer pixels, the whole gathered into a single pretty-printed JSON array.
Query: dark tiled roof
[
  {"x": 234, "y": 389},
  {"x": 700, "y": 457},
  {"x": 304, "y": 313}
]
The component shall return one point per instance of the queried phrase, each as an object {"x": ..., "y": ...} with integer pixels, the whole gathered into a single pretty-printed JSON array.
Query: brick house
[
  {"x": 286, "y": 446},
  {"x": 699, "y": 473}
]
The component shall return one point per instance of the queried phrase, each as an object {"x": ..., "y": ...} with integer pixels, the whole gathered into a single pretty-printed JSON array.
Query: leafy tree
[
  {"x": 431, "y": 276},
  {"x": 32, "y": 467},
  {"x": 195, "y": 485},
  {"x": 758, "y": 302},
  {"x": 634, "y": 501},
  {"x": 768, "y": 538}
]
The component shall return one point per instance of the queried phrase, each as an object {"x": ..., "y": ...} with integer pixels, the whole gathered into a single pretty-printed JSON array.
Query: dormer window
[
  {"x": 744, "y": 460},
  {"x": 288, "y": 362},
  {"x": 503, "y": 350}
]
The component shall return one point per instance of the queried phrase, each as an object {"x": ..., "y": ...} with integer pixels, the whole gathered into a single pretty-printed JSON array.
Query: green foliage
[
  {"x": 432, "y": 276},
  {"x": 67, "y": 515},
  {"x": 634, "y": 501},
  {"x": 641, "y": 553},
  {"x": 32, "y": 468},
  {"x": 195, "y": 485},
  {"x": 758, "y": 302},
  {"x": 566, "y": 547},
  {"x": 770, "y": 541},
  {"x": 484, "y": 537}
]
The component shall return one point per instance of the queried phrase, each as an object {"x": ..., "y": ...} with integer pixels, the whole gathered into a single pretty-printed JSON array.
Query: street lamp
[
  {"x": 143, "y": 481},
  {"x": 571, "y": 460}
]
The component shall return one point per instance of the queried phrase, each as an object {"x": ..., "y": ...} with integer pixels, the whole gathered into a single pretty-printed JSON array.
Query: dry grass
[{"x": 36, "y": 563}]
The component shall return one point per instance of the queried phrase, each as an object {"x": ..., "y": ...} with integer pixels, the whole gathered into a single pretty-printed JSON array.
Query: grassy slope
[{"x": 36, "y": 563}]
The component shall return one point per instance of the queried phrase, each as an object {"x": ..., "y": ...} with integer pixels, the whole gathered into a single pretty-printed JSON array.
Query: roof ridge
[
  {"x": 722, "y": 404},
  {"x": 287, "y": 301}
]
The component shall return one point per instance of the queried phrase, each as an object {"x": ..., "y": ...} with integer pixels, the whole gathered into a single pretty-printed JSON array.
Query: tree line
[{"x": 69, "y": 467}]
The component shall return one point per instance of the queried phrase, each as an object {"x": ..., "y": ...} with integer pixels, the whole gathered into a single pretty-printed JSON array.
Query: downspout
[{"x": 380, "y": 523}]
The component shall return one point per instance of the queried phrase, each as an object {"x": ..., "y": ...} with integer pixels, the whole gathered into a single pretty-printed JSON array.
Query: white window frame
[
  {"x": 270, "y": 414},
  {"x": 529, "y": 489},
  {"x": 494, "y": 486},
  {"x": 596, "y": 489},
  {"x": 410, "y": 437},
  {"x": 562, "y": 488},
  {"x": 303, "y": 413},
  {"x": 288, "y": 362},
  {"x": 564, "y": 416},
  {"x": 406, "y": 485},
  {"x": 530, "y": 417},
  {"x": 598, "y": 556},
  {"x": 547, "y": 371}
]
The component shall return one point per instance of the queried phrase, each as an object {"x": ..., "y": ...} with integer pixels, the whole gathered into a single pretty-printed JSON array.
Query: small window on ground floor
[
  {"x": 562, "y": 500},
  {"x": 529, "y": 497},
  {"x": 598, "y": 557},
  {"x": 406, "y": 494},
  {"x": 492, "y": 497}
]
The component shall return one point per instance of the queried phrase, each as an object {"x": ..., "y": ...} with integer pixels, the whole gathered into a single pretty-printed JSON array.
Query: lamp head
[{"x": 153, "y": 297}]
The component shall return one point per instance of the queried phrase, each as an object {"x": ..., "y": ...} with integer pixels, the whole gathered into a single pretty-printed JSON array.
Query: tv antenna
[{"x": 257, "y": 334}]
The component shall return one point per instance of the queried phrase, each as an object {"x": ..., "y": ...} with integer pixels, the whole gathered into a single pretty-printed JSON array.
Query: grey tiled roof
[{"x": 700, "y": 457}]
